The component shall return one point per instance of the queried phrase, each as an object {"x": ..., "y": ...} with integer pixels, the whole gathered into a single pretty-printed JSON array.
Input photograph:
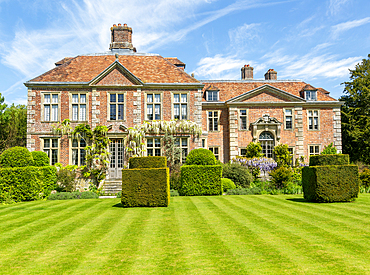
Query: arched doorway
[{"x": 268, "y": 143}]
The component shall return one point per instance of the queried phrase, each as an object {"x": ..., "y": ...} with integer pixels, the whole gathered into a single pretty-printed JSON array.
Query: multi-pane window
[
  {"x": 213, "y": 121},
  {"x": 116, "y": 106},
  {"x": 313, "y": 119},
  {"x": 182, "y": 143},
  {"x": 78, "y": 152},
  {"x": 153, "y": 106},
  {"x": 314, "y": 150},
  {"x": 243, "y": 119},
  {"x": 311, "y": 95},
  {"x": 51, "y": 149},
  {"x": 288, "y": 119},
  {"x": 78, "y": 107},
  {"x": 215, "y": 151},
  {"x": 51, "y": 106},
  {"x": 243, "y": 152},
  {"x": 180, "y": 106},
  {"x": 212, "y": 95},
  {"x": 153, "y": 146}
]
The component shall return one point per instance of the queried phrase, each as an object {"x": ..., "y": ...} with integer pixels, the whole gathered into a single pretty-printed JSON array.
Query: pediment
[
  {"x": 266, "y": 93},
  {"x": 116, "y": 75}
]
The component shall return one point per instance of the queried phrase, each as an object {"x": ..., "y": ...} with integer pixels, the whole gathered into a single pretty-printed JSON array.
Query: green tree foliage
[
  {"x": 282, "y": 155},
  {"x": 200, "y": 156},
  {"x": 329, "y": 150},
  {"x": 356, "y": 113},
  {"x": 16, "y": 157},
  {"x": 254, "y": 150}
]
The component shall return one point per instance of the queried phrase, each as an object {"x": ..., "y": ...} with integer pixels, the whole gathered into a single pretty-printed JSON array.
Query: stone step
[{"x": 112, "y": 187}]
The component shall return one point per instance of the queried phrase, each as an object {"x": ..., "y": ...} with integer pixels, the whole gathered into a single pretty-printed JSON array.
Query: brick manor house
[{"x": 121, "y": 88}]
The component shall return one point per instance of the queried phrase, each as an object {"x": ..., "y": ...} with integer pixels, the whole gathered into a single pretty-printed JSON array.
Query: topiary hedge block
[
  {"x": 337, "y": 159},
  {"x": 16, "y": 157},
  {"x": 27, "y": 183},
  {"x": 200, "y": 180},
  {"x": 147, "y": 162},
  {"x": 145, "y": 187},
  {"x": 200, "y": 156},
  {"x": 40, "y": 159},
  {"x": 330, "y": 183}
]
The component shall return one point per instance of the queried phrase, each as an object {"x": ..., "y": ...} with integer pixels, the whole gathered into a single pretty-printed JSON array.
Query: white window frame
[
  {"x": 314, "y": 146},
  {"x": 213, "y": 128},
  {"x": 79, "y": 104},
  {"x": 80, "y": 161},
  {"x": 242, "y": 115},
  {"x": 181, "y": 104},
  {"x": 154, "y": 103},
  {"x": 51, "y": 104},
  {"x": 285, "y": 120},
  {"x": 240, "y": 151},
  {"x": 208, "y": 93},
  {"x": 313, "y": 119},
  {"x": 216, "y": 151},
  {"x": 49, "y": 149},
  {"x": 311, "y": 95},
  {"x": 154, "y": 147},
  {"x": 116, "y": 104},
  {"x": 179, "y": 143}
]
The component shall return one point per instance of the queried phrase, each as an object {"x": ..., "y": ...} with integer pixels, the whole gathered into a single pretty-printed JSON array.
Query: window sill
[
  {"x": 57, "y": 121},
  {"x": 313, "y": 130},
  {"x": 120, "y": 120}
]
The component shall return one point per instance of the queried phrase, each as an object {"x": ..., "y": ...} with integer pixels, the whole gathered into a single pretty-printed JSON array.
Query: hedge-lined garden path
[{"x": 194, "y": 235}]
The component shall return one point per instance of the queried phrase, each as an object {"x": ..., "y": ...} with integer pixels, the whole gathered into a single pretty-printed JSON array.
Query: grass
[{"x": 263, "y": 234}]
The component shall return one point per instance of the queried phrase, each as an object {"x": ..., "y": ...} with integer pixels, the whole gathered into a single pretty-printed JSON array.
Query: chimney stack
[
  {"x": 247, "y": 72},
  {"x": 121, "y": 37},
  {"x": 271, "y": 75}
]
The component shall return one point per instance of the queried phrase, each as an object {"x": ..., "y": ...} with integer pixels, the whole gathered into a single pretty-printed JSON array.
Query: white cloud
[
  {"x": 245, "y": 36},
  {"x": 342, "y": 27},
  {"x": 335, "y": 6}
]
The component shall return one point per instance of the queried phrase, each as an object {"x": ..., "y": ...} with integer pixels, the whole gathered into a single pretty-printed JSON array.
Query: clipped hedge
[
  {"x": 199, "y": 180},
  {"x": 337, "y": 159},
  {"x": 27, "y": 183},
  {"x": 145, "y": 187},
  {"x": 40, "y": 159},
  {"x": 330, "y": 183},
  {"x": 73, "y": 195},
  {"x": 200, "y": 156},
  {"x": 147, "y": 162},
  {"x": 16, "y": 157},
  {"x": 227, "y": 184}
]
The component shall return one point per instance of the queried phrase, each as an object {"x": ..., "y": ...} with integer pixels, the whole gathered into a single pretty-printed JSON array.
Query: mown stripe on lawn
[
  {"x": 329, "y": 246},
  {"x": 47, "y": 234},
  {"x": 204, "y": 252}
]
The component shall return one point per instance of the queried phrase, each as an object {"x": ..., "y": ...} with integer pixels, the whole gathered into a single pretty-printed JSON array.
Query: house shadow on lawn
[
  {"x": 119, "y": 205},
  {"x": 299, "y": 200}
]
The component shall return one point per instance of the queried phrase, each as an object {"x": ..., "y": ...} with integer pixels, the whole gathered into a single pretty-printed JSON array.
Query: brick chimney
[
  {"x": 247, "y": 72},
  {"x": 121, "y": 37},
  {"x": 271, "y": 75}
]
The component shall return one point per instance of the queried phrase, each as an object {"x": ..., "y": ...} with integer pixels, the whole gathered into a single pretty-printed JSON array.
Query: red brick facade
[{"x": 262, "y": 105}]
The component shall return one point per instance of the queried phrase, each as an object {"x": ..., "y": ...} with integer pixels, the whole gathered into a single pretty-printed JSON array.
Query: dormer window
[
  {"x": 212, "y": 95},
  {"x": 311, "y": 95}
]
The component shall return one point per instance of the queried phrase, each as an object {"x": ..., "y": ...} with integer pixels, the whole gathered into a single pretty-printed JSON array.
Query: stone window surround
[
  {"x": 218, "y": 120},
  {"x": 87, "y": 105},
  {"x": 288, "y": 129},
  {"x": 42, "y": 139},
  {"x": 43, "y": 93},
  {"x": 154, "y": 147},
  {"x": 124, "y": 105},
  {"x": 212, "y": 149},
  {"x": 313, "y": 145},
  {"x": 207, "y": 95},
  {"x": 71, "y": 148},
  {"x": 240, "y": 120},
  {"x": 145, "y": 104},
  {"x": 173, "y": 102},
  {"x": 180, "y": 145},
  {"x": 308, "y": 119}
]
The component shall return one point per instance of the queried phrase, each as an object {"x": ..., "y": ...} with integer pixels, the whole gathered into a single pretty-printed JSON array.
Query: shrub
[
  {"x": 26, "y": 183},
  {"x": 174, "y": 193},
  {"x": 365, "y": 178},
  {"x": 254, "y": 150},
  {"x": 175, "y": 180},
  {"x": 200, "y": 156},
  {"x": 330, "y": 183},
  {"x": 40, "y": 158},
  {"x": 238, "y": 174},
  {"x": 256, "y": 165},
  {"x": 66, "y": 178},
  {"x": 73, "y": 195},
  {"x": 199, "y": 180},
  {"x": 281, "y": 177},
  {"x": 329, "y": 150},
  {"x": 227, "y": 184},
  {"x": 147, "y": 162},
  {"x": 16, "y": 157},
  {"x": 145, "y": 187},
  {"x": 245, "y": 191},
  {"x": 282, "y": 155},
  {"x": 338, "y": 159}
]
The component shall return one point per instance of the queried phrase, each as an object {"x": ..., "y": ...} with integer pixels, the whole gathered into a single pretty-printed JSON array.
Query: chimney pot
[
  {"x": 121, "y": 37},
  {"x": 119, "y": 24},
  {"x": 271, "y": 75},
  {"x": 247, "y": 72}
]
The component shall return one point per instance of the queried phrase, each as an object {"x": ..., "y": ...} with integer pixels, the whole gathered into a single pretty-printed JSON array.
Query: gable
[
  {"x": 266, "y": 96},
  {"x": 115, "y": 77}
]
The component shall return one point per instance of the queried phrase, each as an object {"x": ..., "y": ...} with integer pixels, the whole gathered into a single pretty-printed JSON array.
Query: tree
[
  {"x": 254, "y": 150},
  {"x": 356, "y": 113},
  {"x": 282, "y": 155}
]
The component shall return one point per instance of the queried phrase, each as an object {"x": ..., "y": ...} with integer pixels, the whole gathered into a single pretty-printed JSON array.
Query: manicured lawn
[{"x": 194, "y": 235}]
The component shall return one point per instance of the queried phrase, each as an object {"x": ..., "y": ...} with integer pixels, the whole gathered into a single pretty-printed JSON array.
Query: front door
[
  {"x": 267, "y": 142},
  {"x": 116, "y": 158}
]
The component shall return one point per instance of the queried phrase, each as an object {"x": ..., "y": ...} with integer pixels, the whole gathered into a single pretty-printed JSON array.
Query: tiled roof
[
  {"x": 148, "y": 68},
  {"x": 175, "y": 61},
  {"x": 231, "y": 89}
]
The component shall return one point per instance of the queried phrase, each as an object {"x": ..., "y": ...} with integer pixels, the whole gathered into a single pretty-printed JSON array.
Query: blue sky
[{"x": 316, "y": 41}]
